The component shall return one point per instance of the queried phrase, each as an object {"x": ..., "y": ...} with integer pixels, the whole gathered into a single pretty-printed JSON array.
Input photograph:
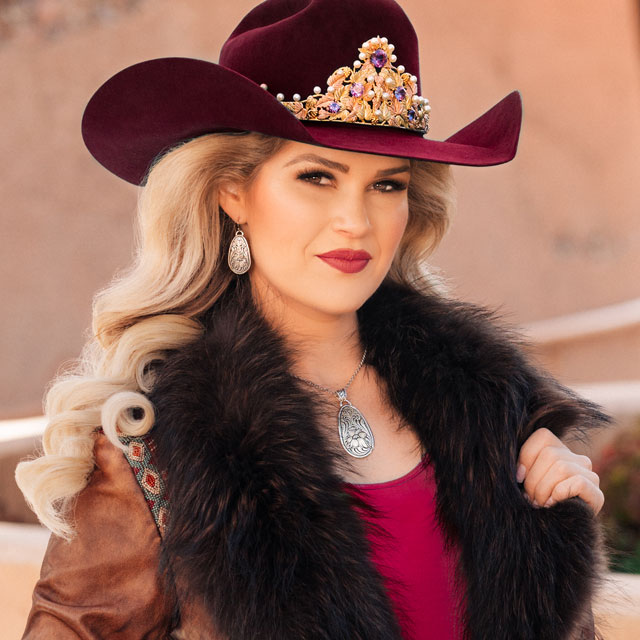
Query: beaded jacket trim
[{"x": 139, "y": 453}]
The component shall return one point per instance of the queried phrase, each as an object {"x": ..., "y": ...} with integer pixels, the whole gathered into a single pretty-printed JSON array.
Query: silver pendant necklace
[{"x": 355, "y": 433}]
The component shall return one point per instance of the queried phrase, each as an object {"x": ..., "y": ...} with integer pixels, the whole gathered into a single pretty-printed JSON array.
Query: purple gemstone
[
  {"x": 379, "y": 58},
  {"x": 357, "y": 89},
  {"x": 400, "y": 93},
  {"x": 334, "y": 107},
  {"x": 412, "y": 114}
]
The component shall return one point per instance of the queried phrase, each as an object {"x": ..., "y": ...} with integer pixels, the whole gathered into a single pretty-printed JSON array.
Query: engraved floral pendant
[
  {"x": 355, "y": 433},
  {"x": 239, "y": 257}
]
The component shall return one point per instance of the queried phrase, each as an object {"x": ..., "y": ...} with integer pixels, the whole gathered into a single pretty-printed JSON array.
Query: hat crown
[
  {"x": 294, "y": 45},
  {"x": 291, "y": 48}
]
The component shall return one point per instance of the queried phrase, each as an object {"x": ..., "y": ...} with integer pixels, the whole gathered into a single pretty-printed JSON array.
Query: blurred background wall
[
  {"x": 554, "y": 232},
  {"x": 551, "y": 240}
]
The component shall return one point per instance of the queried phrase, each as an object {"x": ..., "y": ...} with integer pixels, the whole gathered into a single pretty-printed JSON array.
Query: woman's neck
[{"x": 326, "y": 347}]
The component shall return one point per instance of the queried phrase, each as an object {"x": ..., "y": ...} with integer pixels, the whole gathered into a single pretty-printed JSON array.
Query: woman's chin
[
  {"x": 333, "y": 293},
  {"x": 337, "y": 299}
]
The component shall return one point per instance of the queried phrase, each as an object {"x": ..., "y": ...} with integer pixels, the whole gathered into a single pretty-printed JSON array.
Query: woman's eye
[
  {"x": 391, "y": 185},
  {"x": 384, "y": 186},
  {"x": 309, "y": 176}
]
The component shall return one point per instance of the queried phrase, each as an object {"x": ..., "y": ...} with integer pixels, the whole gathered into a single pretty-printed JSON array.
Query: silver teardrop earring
[{"x": 239, "y": 257}]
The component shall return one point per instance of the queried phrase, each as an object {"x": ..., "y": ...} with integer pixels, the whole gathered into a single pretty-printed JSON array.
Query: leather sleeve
[{"x": 105, "y": 582}]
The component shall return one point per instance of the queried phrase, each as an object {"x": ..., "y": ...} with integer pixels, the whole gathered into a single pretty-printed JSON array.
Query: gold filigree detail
[{"x": 367, "y": 93}]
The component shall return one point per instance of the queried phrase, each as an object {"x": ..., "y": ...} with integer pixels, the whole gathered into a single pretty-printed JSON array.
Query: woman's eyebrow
[{"x": 312, "y": 157}]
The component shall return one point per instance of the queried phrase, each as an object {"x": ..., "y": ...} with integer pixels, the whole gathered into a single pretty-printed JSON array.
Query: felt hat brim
[{"x": 149, "y": 107}]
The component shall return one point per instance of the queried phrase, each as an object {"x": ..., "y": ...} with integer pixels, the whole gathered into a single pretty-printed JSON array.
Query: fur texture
[{"x": 264, "y": 533}]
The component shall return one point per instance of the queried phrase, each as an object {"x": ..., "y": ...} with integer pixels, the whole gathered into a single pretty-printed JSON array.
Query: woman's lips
[{"x": 346, "y": 260}]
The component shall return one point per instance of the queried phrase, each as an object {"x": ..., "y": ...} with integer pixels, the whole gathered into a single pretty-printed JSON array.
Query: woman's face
[{"x": 323, "y": 225}]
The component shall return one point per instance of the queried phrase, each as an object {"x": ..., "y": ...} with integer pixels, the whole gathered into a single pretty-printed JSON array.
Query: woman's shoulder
[
  {"x": 130, "y": 471},
  {"x": 115, "y": 487},
  {"x": 110, "y": 568}
]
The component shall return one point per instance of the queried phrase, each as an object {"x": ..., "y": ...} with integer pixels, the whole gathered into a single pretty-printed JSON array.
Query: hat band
[{"x": 372, "y": 92}]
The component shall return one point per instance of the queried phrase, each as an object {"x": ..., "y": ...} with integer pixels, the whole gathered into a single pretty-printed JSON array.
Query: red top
[{"x": 415, "y": 555}]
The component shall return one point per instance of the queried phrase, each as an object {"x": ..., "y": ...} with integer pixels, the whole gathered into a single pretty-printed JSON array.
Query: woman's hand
[{"x": 552, "y": 472}]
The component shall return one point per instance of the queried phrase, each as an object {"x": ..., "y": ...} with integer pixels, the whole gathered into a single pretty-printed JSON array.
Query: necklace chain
[
  {"x": 355, "y": 433},
  {"x": 337, "y": 391}
]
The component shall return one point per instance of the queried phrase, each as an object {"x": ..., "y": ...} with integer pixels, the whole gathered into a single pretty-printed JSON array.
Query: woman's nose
[{"x": 350, "y": 216}]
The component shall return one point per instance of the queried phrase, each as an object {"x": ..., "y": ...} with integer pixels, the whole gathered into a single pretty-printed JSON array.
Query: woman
[{"x": 318, "y": 443}]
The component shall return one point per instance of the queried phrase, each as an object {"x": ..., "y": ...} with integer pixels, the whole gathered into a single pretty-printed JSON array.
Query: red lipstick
[{"x": 346, "y": 260}]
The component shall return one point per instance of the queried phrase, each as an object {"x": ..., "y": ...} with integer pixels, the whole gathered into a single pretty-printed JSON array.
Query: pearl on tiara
[{"x": 373, "y": 91}]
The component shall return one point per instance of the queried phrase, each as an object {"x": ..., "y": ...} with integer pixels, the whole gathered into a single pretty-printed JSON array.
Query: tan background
[{"x": 556, "y": 231}]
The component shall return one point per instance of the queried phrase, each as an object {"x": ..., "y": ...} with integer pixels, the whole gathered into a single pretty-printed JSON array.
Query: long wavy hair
[{"x": 178, "y": 272}]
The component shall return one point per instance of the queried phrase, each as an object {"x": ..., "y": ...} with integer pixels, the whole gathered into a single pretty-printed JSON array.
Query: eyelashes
[{"x": 307, "y": 176}]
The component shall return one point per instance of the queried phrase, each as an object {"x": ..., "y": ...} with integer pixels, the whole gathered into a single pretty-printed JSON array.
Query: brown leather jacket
[{"x": 104, "y": 583}]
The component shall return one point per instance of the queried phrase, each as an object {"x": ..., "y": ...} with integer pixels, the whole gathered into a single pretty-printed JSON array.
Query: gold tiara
[{"x": 373, "y": 92}]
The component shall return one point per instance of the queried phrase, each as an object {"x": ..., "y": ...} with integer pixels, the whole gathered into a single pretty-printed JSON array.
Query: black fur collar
[{"x": 261, "y": 527}]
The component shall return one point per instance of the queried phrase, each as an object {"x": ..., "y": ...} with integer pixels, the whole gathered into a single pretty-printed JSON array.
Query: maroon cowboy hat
[{"x": 342, "y": 54}]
